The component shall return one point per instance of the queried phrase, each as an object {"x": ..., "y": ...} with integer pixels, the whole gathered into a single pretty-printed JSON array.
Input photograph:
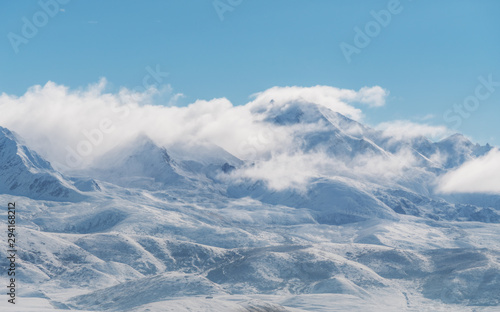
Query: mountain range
[{"x": 345, "y": 218}]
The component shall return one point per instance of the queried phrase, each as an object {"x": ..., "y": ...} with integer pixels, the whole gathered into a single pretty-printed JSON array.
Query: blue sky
[{"x": 429, "y": 56}]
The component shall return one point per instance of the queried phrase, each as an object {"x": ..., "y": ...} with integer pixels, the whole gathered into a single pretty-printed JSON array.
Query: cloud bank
[
  {"x": 63, "y": 124},
  {"x": 73, "y": 128}
]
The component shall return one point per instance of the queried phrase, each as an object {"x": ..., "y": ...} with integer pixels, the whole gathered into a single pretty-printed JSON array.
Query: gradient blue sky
[{"x": 429, "y": 56}]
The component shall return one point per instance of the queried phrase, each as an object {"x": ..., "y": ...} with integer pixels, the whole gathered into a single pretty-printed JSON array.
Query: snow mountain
[{"x": 187, "y": 228}]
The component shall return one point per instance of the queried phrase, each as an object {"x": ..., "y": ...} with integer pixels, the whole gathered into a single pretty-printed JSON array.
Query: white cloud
[
  {"x": 283, "y": 171},
  {"x": 405, "y": 129},
  {"x": 59, "y": 122},
  {"x": 373, "y": 97},
  {"x": 480, "y": 175}
]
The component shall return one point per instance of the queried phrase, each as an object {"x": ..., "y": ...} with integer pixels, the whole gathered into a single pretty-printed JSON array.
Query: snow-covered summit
[{"x": 25, "y": 173}]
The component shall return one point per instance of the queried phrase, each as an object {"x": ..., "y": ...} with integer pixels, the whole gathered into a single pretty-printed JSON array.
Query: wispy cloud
[{"x": 426, "y": 117}]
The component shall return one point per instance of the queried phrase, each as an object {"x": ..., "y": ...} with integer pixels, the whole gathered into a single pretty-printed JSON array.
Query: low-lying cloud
[
  {"x": 480, "y": 175},
  {"x": 405, "y": 129},
  {"x": 295, "y": 171}
]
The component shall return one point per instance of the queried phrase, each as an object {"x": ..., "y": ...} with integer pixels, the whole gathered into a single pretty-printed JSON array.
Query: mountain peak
[
  {"x": 293, "y": 113},
  {"x": 138, "y": 163},
  {"x": 25, "y": 173},
  {"x": 456, "y": 138},
  {"x": 460, "y": 149}
]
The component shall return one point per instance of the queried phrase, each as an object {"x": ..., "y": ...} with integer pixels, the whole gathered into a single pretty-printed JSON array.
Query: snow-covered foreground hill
[{"x": 348, "y": 221}]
